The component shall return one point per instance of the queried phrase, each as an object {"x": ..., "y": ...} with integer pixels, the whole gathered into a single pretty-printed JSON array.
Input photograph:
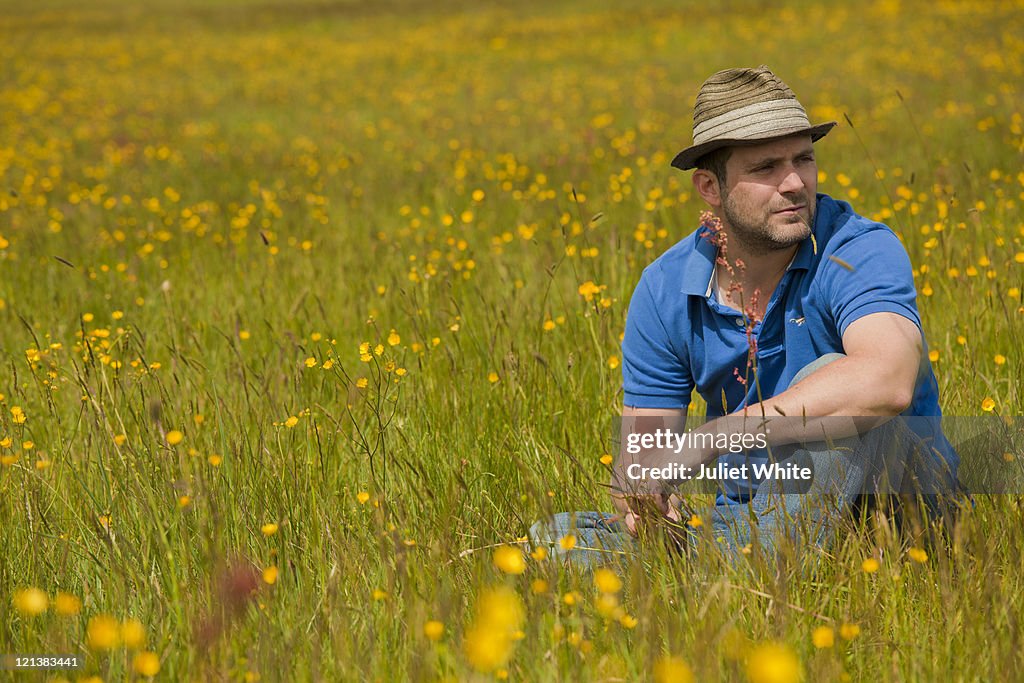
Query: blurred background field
[{"x": 308, "y": 309}]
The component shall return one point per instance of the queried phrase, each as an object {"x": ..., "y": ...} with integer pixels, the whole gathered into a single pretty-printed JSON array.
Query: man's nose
[{"x": 791, "y": 183}]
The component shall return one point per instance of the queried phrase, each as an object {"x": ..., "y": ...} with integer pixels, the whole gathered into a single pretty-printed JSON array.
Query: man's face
[{"x": 769, "y": 201}]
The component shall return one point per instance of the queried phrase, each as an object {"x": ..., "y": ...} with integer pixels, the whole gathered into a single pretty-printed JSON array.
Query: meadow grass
[{"x": 306, "y": 309}]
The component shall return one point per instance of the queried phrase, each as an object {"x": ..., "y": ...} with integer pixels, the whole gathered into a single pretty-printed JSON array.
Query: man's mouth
[{"x": 791, "y": 209}]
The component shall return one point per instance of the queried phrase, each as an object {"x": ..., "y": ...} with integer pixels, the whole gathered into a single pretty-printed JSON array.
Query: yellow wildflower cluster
[{"x": 491, "y": 637}]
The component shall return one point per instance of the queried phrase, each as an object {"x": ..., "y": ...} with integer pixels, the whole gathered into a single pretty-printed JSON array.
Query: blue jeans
[{"x": 768, "y": 519}]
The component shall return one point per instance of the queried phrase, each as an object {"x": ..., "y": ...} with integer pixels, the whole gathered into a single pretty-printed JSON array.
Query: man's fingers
[
  {"x": 674, "y": 514},
  {"x": 653, "y": 506},
  {"x": 663, "y": 506},
  {"x": 655, "y": 503}
]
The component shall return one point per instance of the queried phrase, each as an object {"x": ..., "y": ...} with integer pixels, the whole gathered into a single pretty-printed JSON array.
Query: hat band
[{"x": 753, "y": 121}]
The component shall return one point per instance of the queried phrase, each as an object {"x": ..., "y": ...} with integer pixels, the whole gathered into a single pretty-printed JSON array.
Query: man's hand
[{"x": 652, "y": 509}]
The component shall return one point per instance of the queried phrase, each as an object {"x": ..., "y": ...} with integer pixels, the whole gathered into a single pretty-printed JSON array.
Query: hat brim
[{"x": 687, "y": 159}]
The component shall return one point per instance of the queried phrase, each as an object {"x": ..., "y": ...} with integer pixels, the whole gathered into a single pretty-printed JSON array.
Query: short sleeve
[
  {"x": 654, "y": 374},
  {"x": 870, "y": 274}
]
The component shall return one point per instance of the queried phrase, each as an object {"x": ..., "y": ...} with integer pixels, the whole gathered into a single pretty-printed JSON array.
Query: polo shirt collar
[
  {"x": 700, "y": 265},
  {"x": 804, "y": 253}
]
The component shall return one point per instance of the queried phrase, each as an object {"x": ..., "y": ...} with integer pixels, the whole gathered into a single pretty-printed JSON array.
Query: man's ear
[{"x": 706, "y": 184}]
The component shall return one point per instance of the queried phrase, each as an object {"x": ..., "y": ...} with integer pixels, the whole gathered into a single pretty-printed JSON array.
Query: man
[{"x": 784, "y": 303}]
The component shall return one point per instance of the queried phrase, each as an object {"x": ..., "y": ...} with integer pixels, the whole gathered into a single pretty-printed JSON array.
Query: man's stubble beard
[{"x": 759, "y": 238}]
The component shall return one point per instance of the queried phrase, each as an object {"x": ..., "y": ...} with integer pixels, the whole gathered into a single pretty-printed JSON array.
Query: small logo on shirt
[{"x": 799, "y": 321}]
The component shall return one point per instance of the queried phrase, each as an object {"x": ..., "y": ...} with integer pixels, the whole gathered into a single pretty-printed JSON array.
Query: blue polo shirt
[{"x": 679, "y": 337}]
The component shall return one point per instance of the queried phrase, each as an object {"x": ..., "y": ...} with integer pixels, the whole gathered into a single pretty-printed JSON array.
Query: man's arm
[
  {"x": 654, "y": 373},
  {"x": 872, "y": 384}
]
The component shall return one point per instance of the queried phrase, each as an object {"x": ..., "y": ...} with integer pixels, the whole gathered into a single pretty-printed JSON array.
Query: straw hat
[{"x": 742, "y": 107}]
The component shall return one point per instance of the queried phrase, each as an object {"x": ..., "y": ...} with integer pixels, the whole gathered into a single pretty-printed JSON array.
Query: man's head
[
  {"x": 754, "y": 156},
  {"x": 764, "y": 193}
]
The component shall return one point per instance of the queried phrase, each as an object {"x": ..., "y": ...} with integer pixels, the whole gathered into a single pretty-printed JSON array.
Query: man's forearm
[{"x": 844, "y": 398}]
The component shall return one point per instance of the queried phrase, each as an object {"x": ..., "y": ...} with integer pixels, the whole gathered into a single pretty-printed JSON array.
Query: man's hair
[{"x": 714, "y": 161}]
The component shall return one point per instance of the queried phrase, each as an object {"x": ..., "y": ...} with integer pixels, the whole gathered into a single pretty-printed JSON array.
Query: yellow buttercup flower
[
  {"x": 490, "y": 639},
  {"x": 146, "y": 664},
  {"x": 103, "y": 632},
  {"x": 433, "y": 630},
  {"x": 270, "y": 575},
  {"x": 773, "y": 663},
  {"x": 607, "y": 581},
  {"x": 30, "y": 602},
  {"x": 509, "y": 559},
  {"x": 607, "y": 606},
  {"x": 66, "y": 604},
  {"x": 672, "y": 670},
  {"x": 133, "y": 634},
  {"x": 823, "y": 637},
  {"x": 917, "y": 555}
]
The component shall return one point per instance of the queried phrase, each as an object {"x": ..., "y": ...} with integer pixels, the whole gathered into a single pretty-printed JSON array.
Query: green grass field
[{"x": 308, "y": 308}]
